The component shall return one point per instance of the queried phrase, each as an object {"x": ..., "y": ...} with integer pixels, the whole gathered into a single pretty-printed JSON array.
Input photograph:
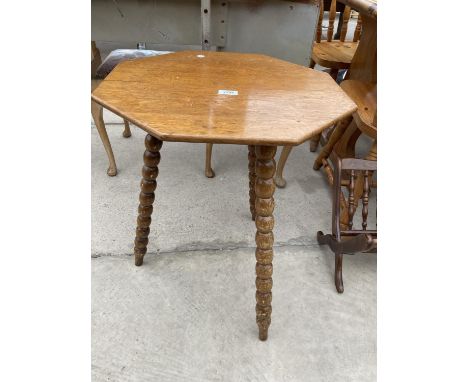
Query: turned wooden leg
[
  {"x": 96, "y": 112},
  {"x": 264, "y": 204},
  {"x": 148, "y": 184},
  {"x": 339, "y": 273},
  {"x": 279, "y": 180},
  {"x": 252, "y": 180},
  {"x": 337, "y": 133},
  {"x": 126, "y": 133},
  {"x": 313, "y": 143},
  {"x": 209, "y": 173}
]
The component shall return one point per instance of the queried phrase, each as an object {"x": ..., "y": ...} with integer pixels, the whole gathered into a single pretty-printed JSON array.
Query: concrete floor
[{"x": 188, "y": 313}]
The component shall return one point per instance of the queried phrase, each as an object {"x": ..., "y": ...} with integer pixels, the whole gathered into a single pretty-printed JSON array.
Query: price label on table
[{"x": 228, "y": 92}]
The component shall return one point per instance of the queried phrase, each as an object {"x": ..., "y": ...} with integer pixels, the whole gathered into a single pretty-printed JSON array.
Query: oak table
[{"x": 218, "y": 97}]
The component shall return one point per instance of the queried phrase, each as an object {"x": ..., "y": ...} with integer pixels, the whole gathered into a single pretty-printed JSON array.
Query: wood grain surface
[
  {"x": 334, "y": 54},
  {"x": 175, "y": 98}
]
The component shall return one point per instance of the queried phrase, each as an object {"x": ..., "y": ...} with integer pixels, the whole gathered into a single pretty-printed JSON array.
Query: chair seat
[
  {"x": 117, "y": 56},
  {"x": 364, "y": 95},
  {"x": 334, "y": 54}
]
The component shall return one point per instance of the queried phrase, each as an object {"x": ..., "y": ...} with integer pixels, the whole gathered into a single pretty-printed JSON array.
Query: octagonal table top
[{"x": 221, "y": 97}]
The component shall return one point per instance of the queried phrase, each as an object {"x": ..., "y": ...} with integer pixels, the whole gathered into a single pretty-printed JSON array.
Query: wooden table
[{"x": 213, "y": 97}]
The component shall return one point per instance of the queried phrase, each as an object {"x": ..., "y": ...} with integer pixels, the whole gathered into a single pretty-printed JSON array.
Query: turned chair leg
[
  {"x": 148, "y": 184},
  {"x": 252, "y": 158},
  {"x": 337, "y": 133},
  {"x": 279, "y": 180},
  {"x": 96, "y": 112},
  {"x": 339, "y": 272},
  {"x": 126, "y": 133},
  {"x": 264, "y": 204},
  {"x": 313, "y": 143},
  {"x": 209, "y": 173}
]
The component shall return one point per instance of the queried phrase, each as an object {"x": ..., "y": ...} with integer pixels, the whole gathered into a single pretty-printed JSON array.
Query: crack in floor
[{"x": 188, "y": 250}]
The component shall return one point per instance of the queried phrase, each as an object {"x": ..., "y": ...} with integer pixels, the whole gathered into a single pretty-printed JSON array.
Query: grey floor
[{"x": 188, "y": 313}]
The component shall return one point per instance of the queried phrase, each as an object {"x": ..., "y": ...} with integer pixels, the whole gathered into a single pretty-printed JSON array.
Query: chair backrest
[{"x": 331, "y": 23}]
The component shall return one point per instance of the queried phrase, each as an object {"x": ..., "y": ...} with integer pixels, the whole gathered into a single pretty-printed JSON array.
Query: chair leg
[
  {"x": 96, "y": 112},
  {"x": 279, "y": 180},
  {"x": 337, "y": 133},
  {"x": 313, "y": 143},
  {"x": 339, "y": 272},
  {"x": 209, "y": 173},
  {"x": 126, "y": 133}
]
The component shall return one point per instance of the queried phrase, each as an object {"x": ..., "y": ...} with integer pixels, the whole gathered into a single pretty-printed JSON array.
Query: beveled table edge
[{"x": 220, "y": 140}]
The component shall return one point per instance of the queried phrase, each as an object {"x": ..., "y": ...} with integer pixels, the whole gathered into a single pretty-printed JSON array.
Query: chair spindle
[
  {"x": 344, "y": 27},
  {"x": 331, "y": 20},
  {"x": 318, "y": 36},
  {"x": 365, "y": 200},
  {"x": 357, "y": 31},
  {"x": 351, "y": 208}
]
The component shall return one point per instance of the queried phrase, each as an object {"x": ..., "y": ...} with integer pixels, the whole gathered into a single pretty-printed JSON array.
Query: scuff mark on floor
[{"x": 117, "y": 6}]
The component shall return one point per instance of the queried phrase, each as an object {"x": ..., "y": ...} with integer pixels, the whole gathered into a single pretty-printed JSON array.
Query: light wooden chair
[
  {"x": 334, "y": 54},
  {"x": 363, "y": 65},
  {"x": 343, "y": 139}
]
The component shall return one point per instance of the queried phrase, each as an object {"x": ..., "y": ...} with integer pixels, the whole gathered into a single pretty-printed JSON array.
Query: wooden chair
[
  {"x": 97, "y": 112},
  {"x": 363, "y": 66},
  {"x": 355, "y": 174},
  {"x": 347, "y": 240},
  {"x": 335, "y": 54},
  {"x": 100, "y": 70}
]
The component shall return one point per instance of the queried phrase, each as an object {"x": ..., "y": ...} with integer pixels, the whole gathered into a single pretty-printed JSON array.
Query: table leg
[
  {"x": 252, "y": 180},
  {"x": 148, "y": 184},
  {"x": 265, "y": 167}
]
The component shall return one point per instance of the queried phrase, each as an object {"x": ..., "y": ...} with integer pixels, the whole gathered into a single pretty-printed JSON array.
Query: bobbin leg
[
  {"x": 265, "y": 167},
  {"x": 148, "y": 184},
  {"x": 252, "y": 180}
]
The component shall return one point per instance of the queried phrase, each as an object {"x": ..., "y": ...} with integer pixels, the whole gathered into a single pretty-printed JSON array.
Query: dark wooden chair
[{"x": 348, "y": 240}]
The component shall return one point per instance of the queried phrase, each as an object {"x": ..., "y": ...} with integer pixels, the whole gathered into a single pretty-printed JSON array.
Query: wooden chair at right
[
  {"x": 346, "y": 239},
  {"x": 363, "y": 66},
  {"x": 334, "y": 54},
  {"x": 355, "y": 174}
]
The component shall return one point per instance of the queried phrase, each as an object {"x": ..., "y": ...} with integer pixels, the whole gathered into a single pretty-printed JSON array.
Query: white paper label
[{"x": 228, "y": 92}]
